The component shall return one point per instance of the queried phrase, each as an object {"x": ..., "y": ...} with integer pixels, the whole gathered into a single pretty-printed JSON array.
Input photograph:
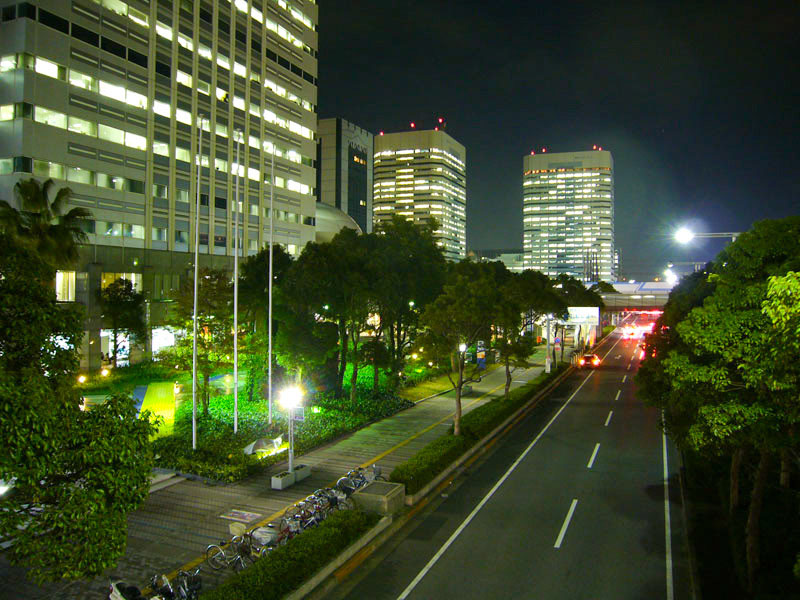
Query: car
[{"x": 589, "y": 361}]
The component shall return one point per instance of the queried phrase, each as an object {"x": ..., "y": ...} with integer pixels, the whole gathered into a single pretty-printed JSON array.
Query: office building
[
  {"x": 421, "y": 175},
  {"x": 568, "y": 214},
  {"x": 344, "y": 175},
  {"x": 108, "y": 97}
]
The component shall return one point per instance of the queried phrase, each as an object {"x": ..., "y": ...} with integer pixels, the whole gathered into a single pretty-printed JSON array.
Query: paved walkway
[{"x": 177, "y": 522}]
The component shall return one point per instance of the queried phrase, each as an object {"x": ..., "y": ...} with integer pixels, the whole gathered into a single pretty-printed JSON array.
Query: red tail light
[
  {"x": 596, "y": 362},
  {"x": 581, "y": 361}
]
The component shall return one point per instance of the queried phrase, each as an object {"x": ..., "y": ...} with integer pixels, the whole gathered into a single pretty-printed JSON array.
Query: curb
[
  {"x": 326, "y": 571},
  {"x": 412, "y": 499}
]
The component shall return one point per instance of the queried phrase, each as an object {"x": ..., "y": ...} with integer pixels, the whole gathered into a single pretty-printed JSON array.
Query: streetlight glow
[
  {"x": 671, "y": 277},
  {"x": 462, "y": 347},
  {"x": 684, "y": 235},
  {"x": 291, "y": 397}
]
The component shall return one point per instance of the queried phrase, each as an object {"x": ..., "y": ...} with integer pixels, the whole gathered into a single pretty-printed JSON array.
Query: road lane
[{"x": 494, "y": 535}]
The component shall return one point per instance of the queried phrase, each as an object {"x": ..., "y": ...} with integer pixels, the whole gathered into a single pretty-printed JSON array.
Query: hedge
[
  {"x": 434, "y": 458},
  {"x": 287, "y": 567}
]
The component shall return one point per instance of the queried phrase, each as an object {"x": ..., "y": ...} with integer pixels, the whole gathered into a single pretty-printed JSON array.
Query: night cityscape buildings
[
  {"x": 422, "y": 175},
  {"x": 568, "y": 214},
  {"x": 344, "y": 169},
  {"x": 109, "y": 98}
]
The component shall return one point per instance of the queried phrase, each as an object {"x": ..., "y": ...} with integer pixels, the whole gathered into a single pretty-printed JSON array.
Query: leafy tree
[
  {"x": 75, "y": 474},
  {"x": 409, "y": 270},
  {"x": 730, "y": 395},
  {"x": 254, "y": 285},
  {"x": 123, "y": 307},
  {"x": 461, "y": 315},
  {"x": 214, "y": 326},
  {"x": 43, "y": 225},
  {"x": 304, "y": 344}
]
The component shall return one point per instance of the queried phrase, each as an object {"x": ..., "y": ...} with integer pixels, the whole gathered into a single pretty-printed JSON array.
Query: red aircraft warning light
[{"x": 413, "y": 125}]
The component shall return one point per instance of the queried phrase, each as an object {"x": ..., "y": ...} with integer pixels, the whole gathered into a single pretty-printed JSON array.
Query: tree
[
  {"x": 254, "y": 285},
  {"x": 409, "y": 270},
  {"x": 43, "y": 225},
  {"x": 123, "y": 307},
  {"x": 460, "y": 316},
  {"x": 730, "y": 393},
  {"x": 75, "y": 474},
  {"x": 214, "y": 326}
]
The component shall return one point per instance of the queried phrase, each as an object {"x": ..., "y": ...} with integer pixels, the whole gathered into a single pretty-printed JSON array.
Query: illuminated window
[
  {"x": 45, "y": 67},
  {"x": 107, "y": 279},
  {"x": 117, "y": 92},
  {"x": 161, "y": 108},
  {"x": 111, "y": 134},
  {"x": 50, "y": 117},
  {"x": 7, "y": 112},
  {"x": 79, "y": 175},
  {"x": 83, "y": 126},
  {"x": 159, "y": 234},
  {"x": 43, "y": 168},
  {"x": 82, "y": 81},
  {"x": 136, "y": 99},
  {"x": 65, "y": 286}
]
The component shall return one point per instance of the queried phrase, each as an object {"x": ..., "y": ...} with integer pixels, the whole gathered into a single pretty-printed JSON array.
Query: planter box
[
  {"x": 281, "y": 481},
  {"x": 381, "y": 497},
  {"x": 301, "y": 472}
]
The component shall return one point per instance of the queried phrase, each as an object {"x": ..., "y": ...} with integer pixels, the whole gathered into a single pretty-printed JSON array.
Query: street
[{"x": 572, "y": 504}]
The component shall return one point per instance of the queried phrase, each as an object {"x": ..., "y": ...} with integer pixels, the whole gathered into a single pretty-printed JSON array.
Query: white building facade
[
  {"x": 568, "y": 214},
  {"x": 422, "y": 175},
  {"x": 108, "y": 97}
]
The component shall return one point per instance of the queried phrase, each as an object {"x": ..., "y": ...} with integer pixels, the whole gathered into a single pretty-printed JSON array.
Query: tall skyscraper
[
  {"x": 344, "y": 173},
  {"x": 422, "y": 175},
  {"x": 568, "y": 214},
  {"x": 108, "y": 97}
]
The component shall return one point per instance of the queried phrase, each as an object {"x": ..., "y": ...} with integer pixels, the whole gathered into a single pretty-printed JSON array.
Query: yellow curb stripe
[{"x": 280, "y": 513}]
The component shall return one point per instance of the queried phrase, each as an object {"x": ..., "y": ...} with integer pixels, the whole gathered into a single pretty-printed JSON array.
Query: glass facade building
[
  {"x": 345, "y": 169},
  {"x": 422, "y": 175},
  {"x": 568, "y": 214}
]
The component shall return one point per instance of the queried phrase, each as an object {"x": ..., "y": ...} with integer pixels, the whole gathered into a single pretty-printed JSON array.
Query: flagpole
[
  {"x": 238, "y": 134},
  {"x": 269, "y": 285},
  {"x": 196, "y": 275}
]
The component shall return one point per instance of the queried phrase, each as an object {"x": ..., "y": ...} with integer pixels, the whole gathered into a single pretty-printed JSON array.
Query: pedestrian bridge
[{"x": 644, "y": 295}]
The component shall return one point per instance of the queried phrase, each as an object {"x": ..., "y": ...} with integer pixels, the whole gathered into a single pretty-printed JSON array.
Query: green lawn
[{"x": 160, "y": 400}]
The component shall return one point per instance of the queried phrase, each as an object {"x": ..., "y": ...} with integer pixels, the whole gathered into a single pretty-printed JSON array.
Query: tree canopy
[{"x": 75, "y": 474}]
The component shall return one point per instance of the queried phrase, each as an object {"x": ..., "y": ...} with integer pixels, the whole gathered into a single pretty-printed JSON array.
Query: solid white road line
[
  {"x": 608, "y": 418},
  {"x": 486, "y": 498},
  {"x": 594, "y": 455},
  {"x": 567, "y": 519},
  {"x": 617, "y": 396},
  {"x": 667, "y": 527}
]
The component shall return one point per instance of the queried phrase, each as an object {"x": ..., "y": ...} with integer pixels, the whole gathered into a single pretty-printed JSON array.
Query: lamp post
[
  {"x": 547, "y": 347},
  {"x": 684, "y": 235},
  {"x": 290, "y": 399}
]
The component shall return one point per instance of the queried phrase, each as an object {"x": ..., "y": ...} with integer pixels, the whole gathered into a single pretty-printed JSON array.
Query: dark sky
[{"x": 699, "y": 104}]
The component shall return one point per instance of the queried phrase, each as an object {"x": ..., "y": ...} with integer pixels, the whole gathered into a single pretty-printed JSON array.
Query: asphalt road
[{"x": 572, "y": 503}]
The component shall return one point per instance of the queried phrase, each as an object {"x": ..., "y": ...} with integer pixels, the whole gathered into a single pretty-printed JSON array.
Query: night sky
[{"x": 699, "y": 104}]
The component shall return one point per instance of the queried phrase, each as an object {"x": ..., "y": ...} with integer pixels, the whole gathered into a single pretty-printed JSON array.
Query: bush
[
  {"x": 287, "y": 567},
  {"x": 434, "y": 458},
  {"x": 608, "y": 329},
  {"x": 122, "y": 378}
]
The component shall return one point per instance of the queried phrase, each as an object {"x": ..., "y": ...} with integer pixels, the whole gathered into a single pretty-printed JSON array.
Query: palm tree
[{"x": 42, "y": 225}]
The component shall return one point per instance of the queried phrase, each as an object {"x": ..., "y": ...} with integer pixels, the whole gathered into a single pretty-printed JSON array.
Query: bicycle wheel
[
  {"x": 215, "y": 557},
  {"x": 345, "y": 504},
  {"x": 242, "y": 562}
]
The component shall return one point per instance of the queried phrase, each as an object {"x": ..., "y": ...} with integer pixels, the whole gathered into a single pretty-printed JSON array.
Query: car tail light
[
  {"x": 582, "y": 361},
  {"x": 596, "y": 362},
  {"x": 641, "y": 355}
]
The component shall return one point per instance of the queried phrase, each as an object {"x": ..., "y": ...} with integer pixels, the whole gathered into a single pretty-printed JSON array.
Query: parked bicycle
[{"x": 236, "y": 552}]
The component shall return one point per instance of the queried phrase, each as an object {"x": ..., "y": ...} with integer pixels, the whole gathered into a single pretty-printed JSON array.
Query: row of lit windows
[
  {"x": 118, "y": 92},
  {"x": 43, "y": 168},
  {"x": 435, "y": 153},
  {"x": 133, "y": 140},
  {"x": 565, "y": 170}
]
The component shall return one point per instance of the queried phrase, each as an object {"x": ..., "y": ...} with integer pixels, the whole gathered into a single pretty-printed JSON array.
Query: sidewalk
[{"x": 176, "y": 523}]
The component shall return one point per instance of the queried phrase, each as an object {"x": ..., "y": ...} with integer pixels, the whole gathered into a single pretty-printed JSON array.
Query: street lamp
[
  {"x": 684, "y": 235},
  {"x": 290, "y": 399},
  {"x": 671, "y": 277},
  {"x": 462, "y": 347}
]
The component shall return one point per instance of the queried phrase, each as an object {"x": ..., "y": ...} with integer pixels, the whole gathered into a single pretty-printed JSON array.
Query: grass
[{"x": 436, "y": 385}]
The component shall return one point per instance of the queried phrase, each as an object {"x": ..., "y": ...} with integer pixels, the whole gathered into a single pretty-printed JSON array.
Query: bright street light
[
  {"x": 462, "y": 347},
  {"x": 671, "y": 277},
  {"x": 684, "y": 235}
]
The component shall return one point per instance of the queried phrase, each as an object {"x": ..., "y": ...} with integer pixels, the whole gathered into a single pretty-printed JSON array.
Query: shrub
[
  {"x": 434, "y": 458},
  {"x": 287, "y": 567}
]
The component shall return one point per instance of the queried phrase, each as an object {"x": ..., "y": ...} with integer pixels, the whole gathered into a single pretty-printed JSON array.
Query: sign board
[
  {"x": 242, "y": 516},
  {"x": 299, "y": 413},
  {"x": 557, "y": 340},
  {"x": 584, "y": 315}
]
